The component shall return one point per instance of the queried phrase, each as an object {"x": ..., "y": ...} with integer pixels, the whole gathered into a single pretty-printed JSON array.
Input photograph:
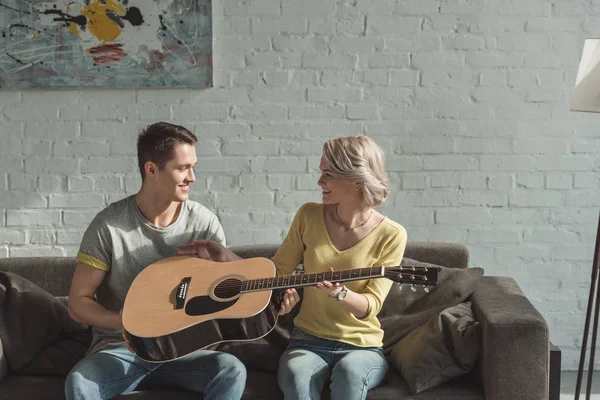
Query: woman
[{"x": 337, "y": 334}]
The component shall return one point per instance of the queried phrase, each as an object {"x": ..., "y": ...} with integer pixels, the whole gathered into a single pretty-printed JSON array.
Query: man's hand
[
  {"x": 207, "y": 250},
  {"x": 290, "y": 299}
]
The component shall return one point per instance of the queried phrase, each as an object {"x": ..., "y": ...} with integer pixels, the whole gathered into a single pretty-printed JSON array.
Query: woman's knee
[{"x": 232, "y": 365}]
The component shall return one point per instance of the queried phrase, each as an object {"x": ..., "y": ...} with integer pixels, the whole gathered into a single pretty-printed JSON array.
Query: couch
[{"x": 513, "y": 362}]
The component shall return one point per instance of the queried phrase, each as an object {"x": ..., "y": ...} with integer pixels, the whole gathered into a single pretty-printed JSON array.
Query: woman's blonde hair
[{"x": 360, "y": 159}]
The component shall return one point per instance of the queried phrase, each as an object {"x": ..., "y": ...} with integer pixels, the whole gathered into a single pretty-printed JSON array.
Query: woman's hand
[
  {"x": 207, "y": 250},
  {"x": 290, "y": 299},
  {"x": 332, "y": 289}
]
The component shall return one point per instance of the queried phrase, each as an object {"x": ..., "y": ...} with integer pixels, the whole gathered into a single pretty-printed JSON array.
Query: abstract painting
[{"x": 105, "y": 43}]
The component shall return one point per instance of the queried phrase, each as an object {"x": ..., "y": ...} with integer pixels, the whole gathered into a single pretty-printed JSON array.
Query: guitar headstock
[{"x": 414, "y": 276}]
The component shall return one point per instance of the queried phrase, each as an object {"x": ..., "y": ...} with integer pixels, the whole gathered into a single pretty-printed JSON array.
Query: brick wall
[{"x": 469, "y": 99}]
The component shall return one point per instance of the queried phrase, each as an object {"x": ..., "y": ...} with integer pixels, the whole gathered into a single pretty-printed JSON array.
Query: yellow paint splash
[
  {"x": 73, "y": 28},
  {"x": 99, "y": 24},
  {"x": 35, "y": 35}
]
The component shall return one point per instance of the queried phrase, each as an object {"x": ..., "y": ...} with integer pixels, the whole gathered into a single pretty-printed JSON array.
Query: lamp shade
[{"x": 586, "y": 96}]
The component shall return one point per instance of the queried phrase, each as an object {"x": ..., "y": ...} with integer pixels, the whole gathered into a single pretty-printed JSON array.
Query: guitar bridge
[{"x": 181, "y": 292}]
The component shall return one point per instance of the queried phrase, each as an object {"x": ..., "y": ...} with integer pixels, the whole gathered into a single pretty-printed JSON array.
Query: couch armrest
[
  {"x": 515, "y": 355},
  {"x": 3, "y": 363}
]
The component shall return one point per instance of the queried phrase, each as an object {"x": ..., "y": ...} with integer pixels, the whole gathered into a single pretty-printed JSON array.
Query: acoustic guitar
[{"x": 182, "y": 304}]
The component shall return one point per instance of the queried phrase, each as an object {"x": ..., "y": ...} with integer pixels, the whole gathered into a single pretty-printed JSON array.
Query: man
[{"x": 125, "y": 237}]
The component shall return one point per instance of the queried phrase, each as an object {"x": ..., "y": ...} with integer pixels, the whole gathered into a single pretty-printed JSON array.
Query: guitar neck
[{"x": 301, "y": 280}]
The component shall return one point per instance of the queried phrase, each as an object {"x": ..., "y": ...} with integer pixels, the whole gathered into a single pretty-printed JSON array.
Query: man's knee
[{"x": 232, "y": 366}]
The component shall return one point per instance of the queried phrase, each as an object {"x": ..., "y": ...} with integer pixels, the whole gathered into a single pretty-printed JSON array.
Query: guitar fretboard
[{"x": 299, "y": 280}]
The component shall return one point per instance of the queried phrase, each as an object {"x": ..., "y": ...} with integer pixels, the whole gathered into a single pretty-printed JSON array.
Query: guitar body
[{"x": 182, "y": 304}]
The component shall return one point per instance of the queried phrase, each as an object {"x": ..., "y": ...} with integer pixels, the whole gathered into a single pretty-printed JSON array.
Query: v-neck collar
[{"x": 355, "y": 244}]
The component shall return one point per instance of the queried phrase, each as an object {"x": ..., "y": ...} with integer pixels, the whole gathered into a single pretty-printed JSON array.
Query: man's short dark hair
[{"x": 157, "y": 142}]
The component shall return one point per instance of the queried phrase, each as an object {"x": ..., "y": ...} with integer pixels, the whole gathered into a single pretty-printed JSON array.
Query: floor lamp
[{"x": 586, "y": 97}]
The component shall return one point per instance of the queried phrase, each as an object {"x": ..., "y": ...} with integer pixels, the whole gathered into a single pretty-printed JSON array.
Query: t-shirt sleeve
[
  {"x": 96, "y": 247},
  {"x": 292, "y": 248},
  {"x": 216, "y": 232},
  {"x": 377, "y": 289}
]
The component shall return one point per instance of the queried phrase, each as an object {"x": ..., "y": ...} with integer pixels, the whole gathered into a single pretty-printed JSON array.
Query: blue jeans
[
  {"x": 309, "y": 361},
  {"x": 115, "y": 370}
]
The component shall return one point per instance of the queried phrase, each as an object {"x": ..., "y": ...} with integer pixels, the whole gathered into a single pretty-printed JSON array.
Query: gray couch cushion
[
  {"x": 31, "y": 319},
  {"x": 447, "y": 346},
  {"x": 405, "y": 310},
  {"x": 3, "y": 363}
]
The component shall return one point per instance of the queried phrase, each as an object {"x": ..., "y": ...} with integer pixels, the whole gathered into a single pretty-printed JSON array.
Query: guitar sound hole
[{"x": 228, "y": 288}]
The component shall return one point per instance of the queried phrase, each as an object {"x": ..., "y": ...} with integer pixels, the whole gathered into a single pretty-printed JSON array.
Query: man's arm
[{"x": 82, "y": 307}]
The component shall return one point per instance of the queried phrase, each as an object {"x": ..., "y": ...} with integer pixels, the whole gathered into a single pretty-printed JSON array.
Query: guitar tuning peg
[
  {"x": 413, "y": 288},
  {"x": 426, "y": 289},
  {"x": 400, "y": 286}
]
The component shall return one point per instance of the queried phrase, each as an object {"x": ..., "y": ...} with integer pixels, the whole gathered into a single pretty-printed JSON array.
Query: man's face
[{"x": 174, "y": 180}]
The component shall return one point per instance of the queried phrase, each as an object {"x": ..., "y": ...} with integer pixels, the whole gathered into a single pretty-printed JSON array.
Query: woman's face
[{"x": 336, "y": 189}]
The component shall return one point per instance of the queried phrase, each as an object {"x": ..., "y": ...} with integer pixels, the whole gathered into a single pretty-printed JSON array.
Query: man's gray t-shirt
[{"x": 122, "y": 242}]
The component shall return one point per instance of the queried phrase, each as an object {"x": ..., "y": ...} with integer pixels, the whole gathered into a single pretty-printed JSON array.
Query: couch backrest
[{"x": 54, "y": 273}]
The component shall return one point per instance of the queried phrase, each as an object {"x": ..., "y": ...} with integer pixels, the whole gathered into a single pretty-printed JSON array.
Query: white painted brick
[
  {"x": 272, "y": 26},
  {"x": 72, "y": 200},
  {"x": 250, "y": 148},
  {"x": 354, "y": 44},
  {"x": 507, "y": 163},
  {"x": 281, "y": 182},
  {"x": 585, "y": 180},
  {"x": 11, "y": 236},
  {"x": 516, "y": 7},
  {"x": 535, "y": 198},
  {"x": 362, "y": 112},
  {"x": 50, "y": 183},
  {"x": 264, "y": 60},
  {"x": 278, "y": 164},
  {"x": 410, "y": 181},
  {"x": 252, "y": 7},
  {"x": 248, "y": 199},
  {"x": 565, "y": 163},
  {"x": 232, "y": 44},
  {"x": 483, "y": 146},
  {"x": 450, "y": 162},
  {"x": 501, "y": 182},
  {"x": 432, "y": 60},
  {"x": 417, "y": 42},
  {"x": 416, "y": 7},
  {"x": 427, "y": 146},
  {"x": 327, "y": 130},
  {"x": 221, "y": 95},
  {"x": 392, "y": 25},
  {"x": 108, "y": 183},
  {"x": 464, "y": 42},
  {"x": 277, "y": 78},
  {"x": 491, "y": 59},
  {"x": 559, "y": 180},
  {"x": 221, "y": 164},
  {"x": 334, "y": 95},
  {"x": 227, "y": 130},
  {"x": 277, "y": 95},
  {"x": 338, "y": 77},
  {"x": 469, "y": 217},
  {"x": 461, "y": 7},
  {"x": 32, "y": 217},
  {"x": 58, "y": 130},
  {"x": 316, "y": 112},
  {"x": 311, "y": 8},
  {"x": 253, "y": 112},
  {"x": 38, "y": 165},
  {"x": 193, "y": 112},
  {"x": 284, "y": 130},
  {"x": 305, "y": 78},
  {"x": 524, "y": 41},
  {"x": 41, "y": 237},
  {"x": 254, "y": 183},
  {"x": 354, "y": 26},
  {"x": 375, "y": 77},
  {"x": 108, "y": 164},
  {"x": 336, "y": 60},
  {"x": 80, "y": 183},
  {"x": 293, "y": 200},
  {"x": 18, "y": 181},
  {"x": 445, "y": 78},
  {"x": 301, "y": 148},
  {"x": 303, "y": 44},
  {"x": 81, "y": 148},
  {"x": 394, "y": 95},
  {"x": 321, "y": 26},
  {"x": 291, "y": 60},
  {"x": 247, "y": 77},
  {"x": 307, "y": 182}
]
